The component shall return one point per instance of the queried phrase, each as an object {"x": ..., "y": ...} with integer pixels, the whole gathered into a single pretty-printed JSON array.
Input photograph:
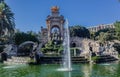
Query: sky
[{"x": 30, "y": 15}]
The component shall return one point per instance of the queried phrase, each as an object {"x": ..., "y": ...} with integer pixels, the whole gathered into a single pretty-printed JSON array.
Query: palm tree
[{"x": 6, "y": 19}]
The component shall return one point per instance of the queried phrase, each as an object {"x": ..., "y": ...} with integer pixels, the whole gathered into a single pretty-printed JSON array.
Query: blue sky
[{"x": 31, "y": 14}]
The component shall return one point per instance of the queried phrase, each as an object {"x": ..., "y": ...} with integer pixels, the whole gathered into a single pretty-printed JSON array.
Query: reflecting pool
[{"x": 79, "y": 70}]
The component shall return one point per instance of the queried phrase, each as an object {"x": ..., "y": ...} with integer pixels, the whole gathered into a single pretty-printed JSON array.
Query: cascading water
[{"x": 66, "y": 55}]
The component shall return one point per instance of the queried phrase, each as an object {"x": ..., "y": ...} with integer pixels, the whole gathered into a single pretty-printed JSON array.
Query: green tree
[
  {"x": 7, "y": 24},
  {"x": 102, "y": 37},
  {"x": 117, "y": 29},
  {"x": 22, "y": 37},
  {"x": 92, "y": 35},
  {"x": 117, "y": 47},
  {"x": 1, "y": 48},
  {"x": 6, "y": 18},
  {"x": 105, "y": 35},
  {"x": 79, "y": 31},
  {"x": 99, "y": 31}
]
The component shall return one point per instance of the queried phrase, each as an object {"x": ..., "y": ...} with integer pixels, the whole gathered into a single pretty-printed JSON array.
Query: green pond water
[{"x": 79, "y": 70}]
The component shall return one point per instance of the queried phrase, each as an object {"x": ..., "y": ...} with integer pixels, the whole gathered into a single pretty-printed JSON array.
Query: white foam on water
[
  {"x": 14, "y": 66},
  {"x": 105, "y": 64},
  {"x": 64, "y": 69},
  {"x": 9, "y": 67}
]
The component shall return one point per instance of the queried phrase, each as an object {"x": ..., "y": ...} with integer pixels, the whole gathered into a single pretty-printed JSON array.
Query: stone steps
[
  {"x": 58, "y": 60},
  {"x": 17, "y": 60},
  {"x": 105, "y": 59}
]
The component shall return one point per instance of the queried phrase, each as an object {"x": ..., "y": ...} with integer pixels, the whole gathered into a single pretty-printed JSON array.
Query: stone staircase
[
  {"x": 58, "y": 60},
  {"x": 17, "y": 60},
  {"x": 105, "y": 59},
  {"x": 79, "y": 60}
]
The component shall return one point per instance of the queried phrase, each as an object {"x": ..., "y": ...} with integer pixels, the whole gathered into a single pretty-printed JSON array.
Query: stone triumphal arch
[{"x": 55, "y": 25}]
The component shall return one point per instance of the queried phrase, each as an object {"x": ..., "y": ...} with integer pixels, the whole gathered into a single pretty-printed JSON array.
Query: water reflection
[
  {"x": 87, "y": 70},
  {"x": 67, "y": 74},
  {"x": 80, "y": 70}
]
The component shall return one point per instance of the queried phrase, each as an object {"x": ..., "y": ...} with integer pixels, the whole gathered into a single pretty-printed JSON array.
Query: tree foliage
[
  {"x": 22, "y": 37},
  {"x": 92, "y": 35},
  {"x": 6, "y": 18},
  {"x": 105, "y": 35},
  {"x": 117, "y": 47},
  {"x": 79, "y": 31},
  {"x": 2, "y": 48},
  {"x": 102, "y": 30},
  {"x": 117, "y": 29}
]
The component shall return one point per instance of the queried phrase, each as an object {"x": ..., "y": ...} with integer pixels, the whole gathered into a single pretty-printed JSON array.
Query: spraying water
[{"x": 66, "y": 56}]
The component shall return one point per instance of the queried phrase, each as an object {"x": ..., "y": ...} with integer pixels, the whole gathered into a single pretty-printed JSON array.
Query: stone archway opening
[{"x": 73, "y": 44}]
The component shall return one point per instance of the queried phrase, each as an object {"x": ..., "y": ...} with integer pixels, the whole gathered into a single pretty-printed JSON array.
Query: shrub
[{"x": 117, "y": 47}]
